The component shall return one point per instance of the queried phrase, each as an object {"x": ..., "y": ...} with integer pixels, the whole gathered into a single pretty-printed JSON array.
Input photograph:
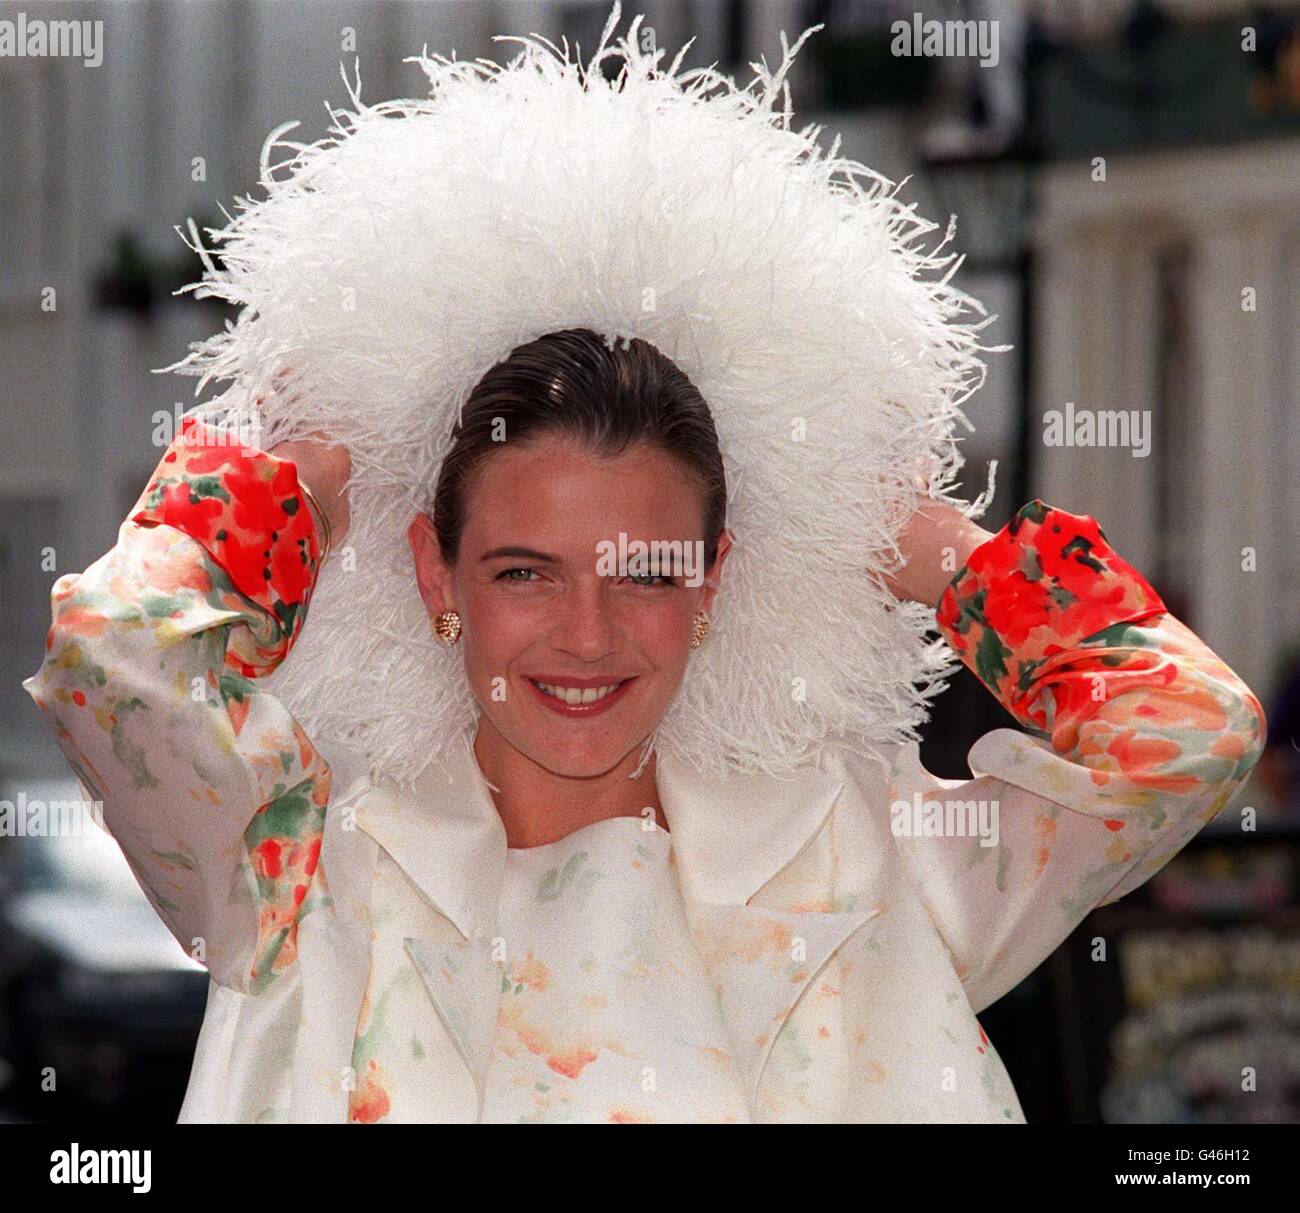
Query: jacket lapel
[
  {"x": 446, "y": 835},
  {"x": 761, "y": 961},
  {"x": 731, "y": 836},
  {"x": 464, "y": 984}
]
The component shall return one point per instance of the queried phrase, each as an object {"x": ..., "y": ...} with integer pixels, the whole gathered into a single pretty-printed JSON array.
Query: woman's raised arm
[
  {"x": 1137, "y": 735},
  {"x": 214, "y": 792}
]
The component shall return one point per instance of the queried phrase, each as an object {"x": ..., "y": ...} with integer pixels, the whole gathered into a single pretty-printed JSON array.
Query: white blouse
[{"x": 607, "y": 1012}]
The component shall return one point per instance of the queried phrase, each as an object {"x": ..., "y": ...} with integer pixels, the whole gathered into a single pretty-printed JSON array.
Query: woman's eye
[{"x": 526, "y": 575}]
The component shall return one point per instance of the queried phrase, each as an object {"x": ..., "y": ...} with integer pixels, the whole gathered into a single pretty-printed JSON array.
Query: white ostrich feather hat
[{"x": 396, "y": 260}]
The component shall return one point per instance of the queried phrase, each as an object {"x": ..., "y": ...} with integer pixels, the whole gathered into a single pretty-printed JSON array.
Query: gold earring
[
  {"x": 446, "y": 627},
  {"x": 700, "y": 630}
]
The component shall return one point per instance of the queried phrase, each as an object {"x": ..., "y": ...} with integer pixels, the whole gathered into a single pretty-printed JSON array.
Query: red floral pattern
[
  {"x": 1045, "y": 582},
  {"x": 247, "y": 510},
  {"x": 1079, "y": 647}
]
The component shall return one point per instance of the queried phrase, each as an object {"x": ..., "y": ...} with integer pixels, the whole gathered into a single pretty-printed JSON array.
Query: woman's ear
[
  {"x": 713, "y": 577},
  {"x": 431, "y": 572}
]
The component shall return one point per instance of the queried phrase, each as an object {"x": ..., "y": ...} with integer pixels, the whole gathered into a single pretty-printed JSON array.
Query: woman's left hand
[{"x": 935, "y": 543}]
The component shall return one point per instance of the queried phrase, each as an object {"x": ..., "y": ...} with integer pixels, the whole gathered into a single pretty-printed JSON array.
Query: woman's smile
[{"x": 580, "y": 697}]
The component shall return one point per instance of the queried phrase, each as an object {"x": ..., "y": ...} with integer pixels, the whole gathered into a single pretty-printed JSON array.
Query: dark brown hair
[{"x": 570, "y": 383}]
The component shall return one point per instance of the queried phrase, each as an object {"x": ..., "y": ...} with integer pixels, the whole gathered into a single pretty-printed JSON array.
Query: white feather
[{"x": 393, "y": 262}]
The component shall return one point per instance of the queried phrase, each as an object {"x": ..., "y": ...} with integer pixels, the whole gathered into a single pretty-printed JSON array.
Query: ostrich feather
[{"x": 387, "y": 266}]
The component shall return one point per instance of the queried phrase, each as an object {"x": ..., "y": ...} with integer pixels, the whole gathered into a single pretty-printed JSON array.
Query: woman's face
[{"x": 546, "y": 623}]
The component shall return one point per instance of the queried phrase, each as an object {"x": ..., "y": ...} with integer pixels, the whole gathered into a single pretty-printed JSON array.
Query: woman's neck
[{"x": 538, "y": 806}]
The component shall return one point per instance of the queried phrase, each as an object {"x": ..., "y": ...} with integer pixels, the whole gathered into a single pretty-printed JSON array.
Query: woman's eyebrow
[{"x": 520, "y": 554}]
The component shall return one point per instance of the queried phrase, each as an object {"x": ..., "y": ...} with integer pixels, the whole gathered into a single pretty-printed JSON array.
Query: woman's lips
[{"x": 574, "y": 710}]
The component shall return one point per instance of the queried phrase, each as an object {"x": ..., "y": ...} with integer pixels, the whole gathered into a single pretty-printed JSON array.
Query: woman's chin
[
  {"x": 585, "y": 762},
  {"x": 583, "y": 754}
]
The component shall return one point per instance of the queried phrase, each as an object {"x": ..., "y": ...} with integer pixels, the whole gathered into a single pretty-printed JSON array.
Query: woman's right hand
[{"x": 325, "y": 468}]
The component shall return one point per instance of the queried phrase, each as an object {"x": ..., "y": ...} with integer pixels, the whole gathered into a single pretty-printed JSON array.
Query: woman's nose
[{"x": 587, "y": 626}]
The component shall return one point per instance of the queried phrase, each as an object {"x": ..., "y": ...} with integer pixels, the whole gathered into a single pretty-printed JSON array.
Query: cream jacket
[{"x": 853, "y": 918}]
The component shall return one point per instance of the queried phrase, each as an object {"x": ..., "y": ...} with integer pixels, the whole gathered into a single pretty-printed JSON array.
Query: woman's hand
[
  {"x": 324, "y": 467},
  {"x": 935, "y": 544}
]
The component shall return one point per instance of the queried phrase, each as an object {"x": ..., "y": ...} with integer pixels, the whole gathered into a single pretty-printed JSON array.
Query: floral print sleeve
[
  {"x": 214, "y": 792},
  {"x": 1137, "y": 735}
]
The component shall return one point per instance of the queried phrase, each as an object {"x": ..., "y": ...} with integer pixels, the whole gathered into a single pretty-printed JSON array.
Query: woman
[{"x": 569, "y": 925}]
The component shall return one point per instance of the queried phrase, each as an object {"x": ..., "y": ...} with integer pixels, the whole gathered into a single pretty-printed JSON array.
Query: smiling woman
[
  {"x": 533, "y": 838},
  {"x": 565, "y": 445}
]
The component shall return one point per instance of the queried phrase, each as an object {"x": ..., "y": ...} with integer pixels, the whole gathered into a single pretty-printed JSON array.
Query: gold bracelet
[{"x": 323, "y": 523}]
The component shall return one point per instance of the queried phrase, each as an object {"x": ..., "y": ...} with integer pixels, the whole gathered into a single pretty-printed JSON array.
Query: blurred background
[{"x": 1124, "y": 176}]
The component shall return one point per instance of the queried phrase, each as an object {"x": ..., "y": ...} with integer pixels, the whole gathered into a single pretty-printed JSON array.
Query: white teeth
[{"x": 578, "y": 695}]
